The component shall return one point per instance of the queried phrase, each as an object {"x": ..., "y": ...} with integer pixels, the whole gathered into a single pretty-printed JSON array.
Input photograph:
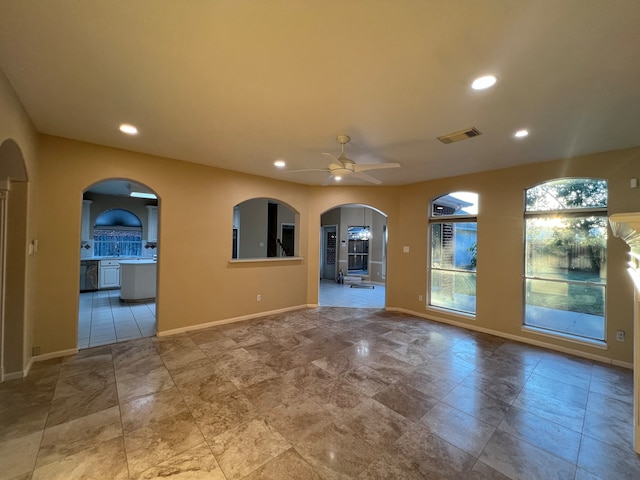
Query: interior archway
[
  {"x": 118, "y": 263},
  {"x": 13, "y": 259},
  {"x": 353, "y": 243}
]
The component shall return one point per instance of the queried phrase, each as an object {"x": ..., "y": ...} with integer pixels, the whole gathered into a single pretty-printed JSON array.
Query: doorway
[
  {"x": 13, "y": 260},
  {"x": 119, "y": 241},
  {"x": 353, "y": 257}
]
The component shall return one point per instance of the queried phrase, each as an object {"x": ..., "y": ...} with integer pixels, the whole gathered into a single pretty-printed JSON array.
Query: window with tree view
[
  {"x": 566, "y": 257},
  {"x": 452, "y": 272}
]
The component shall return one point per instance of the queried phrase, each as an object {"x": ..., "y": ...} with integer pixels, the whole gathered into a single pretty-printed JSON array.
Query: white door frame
[{"x": 4, "y": 197}]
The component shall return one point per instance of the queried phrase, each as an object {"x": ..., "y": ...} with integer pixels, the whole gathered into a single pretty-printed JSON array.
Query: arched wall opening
[
  {"x": 13, "y": 259},
  {"x": 119, "y": 245},
  {"x": 353, "y": 255}
]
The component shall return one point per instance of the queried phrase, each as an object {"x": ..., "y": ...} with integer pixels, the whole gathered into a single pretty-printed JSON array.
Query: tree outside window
[{"x": 565, "y": 257}]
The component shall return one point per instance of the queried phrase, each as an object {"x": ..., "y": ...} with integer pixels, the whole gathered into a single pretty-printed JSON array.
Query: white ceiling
[{"x": 238, "y": 84}]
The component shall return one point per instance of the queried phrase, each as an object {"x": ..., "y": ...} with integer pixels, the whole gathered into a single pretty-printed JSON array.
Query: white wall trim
[
  {"x": 13, "y": 376},
  {"x": 224, "y": 321},
  {"x": 41, "y": 358},
  {"x": 516, "y": 338}
]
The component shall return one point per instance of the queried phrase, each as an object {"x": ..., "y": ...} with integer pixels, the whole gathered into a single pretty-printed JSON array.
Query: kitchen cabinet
[
  {"x": 85, "y": 231},
  {"x": 109, "y": 274},
  {"x": 152, "y": 223}
]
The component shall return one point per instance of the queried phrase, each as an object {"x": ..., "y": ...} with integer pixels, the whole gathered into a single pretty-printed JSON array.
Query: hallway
[{"x": 332, "y": 294}]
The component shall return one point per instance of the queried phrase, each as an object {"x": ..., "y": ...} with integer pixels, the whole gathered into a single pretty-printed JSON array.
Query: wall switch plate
[
  {"x": 420, "y": 298},
  {"x": 258, "y": 298},
  {"x": 620, "y": 335},
  {"x": 405, "y": 249}
]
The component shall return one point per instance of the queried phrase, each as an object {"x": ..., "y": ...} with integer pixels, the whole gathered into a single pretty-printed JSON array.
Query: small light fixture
[
  {"x": 280, "y": 163},
  {"x": 128, "y": 129},
  {"x": 338, "y": 178},
  {"x": 521, "y": 133},
  {"x": 142, "y": 195},
  {"x": 483, "y": 82}
]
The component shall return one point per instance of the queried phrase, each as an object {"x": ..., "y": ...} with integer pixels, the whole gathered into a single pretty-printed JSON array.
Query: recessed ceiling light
[
  {"x": 142, "y": 195},
  {"x": 483, "y": 82},
  {"x": 128, "y": 129},
  {"x": 521, "y": 133},
  {"x": 279, "y": 163}
]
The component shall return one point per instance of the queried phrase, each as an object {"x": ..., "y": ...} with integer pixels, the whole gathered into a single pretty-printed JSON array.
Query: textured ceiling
[{"x": 239, "y": 84}]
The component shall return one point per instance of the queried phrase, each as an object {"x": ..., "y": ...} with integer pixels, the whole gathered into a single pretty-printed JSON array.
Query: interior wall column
[{"x": 4, "y": 198}]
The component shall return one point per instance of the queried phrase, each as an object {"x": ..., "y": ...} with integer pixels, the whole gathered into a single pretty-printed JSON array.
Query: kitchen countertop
[
  {"x": 141, "y": 261},
  {"x": 117, "y": 258}
]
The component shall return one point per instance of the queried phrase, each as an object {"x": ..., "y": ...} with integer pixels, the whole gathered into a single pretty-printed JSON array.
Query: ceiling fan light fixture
[
  {"x": 280, "y": 163},
  {"x": 521, "y": 133},
  {"x": 128, "y": 129},
  {"x": 484, "y": 82},
  {"x": 338, "y": 178}
]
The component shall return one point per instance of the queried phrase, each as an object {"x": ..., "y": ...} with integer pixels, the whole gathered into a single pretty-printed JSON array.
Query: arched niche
[{"x": 264, "y": 228}]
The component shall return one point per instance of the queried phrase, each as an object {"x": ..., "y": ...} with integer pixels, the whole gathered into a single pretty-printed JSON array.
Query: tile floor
[
  {"x": 332, "y": 294},
  {"x": 326, "y": 393},
  {"x": 104, "y": 319}
]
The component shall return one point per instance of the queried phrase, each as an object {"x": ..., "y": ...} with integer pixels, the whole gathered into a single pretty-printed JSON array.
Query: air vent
[{"x": 461, "y": 135}]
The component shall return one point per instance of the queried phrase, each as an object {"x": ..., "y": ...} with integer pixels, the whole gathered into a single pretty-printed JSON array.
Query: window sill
[
  {"x": 602, "y": 345},
  {"x": 267, "y": 260},
  {"x": 454, "y": 313}
]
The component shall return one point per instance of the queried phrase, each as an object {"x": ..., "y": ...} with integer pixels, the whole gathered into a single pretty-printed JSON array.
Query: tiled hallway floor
[
  {"x": 104, "y": 319},
  {"x": 327, "y": 393},
  {"x": 332, "y": 294}
]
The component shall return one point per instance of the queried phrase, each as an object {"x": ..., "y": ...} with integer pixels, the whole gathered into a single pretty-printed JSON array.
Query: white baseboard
[
  {"x": 530, "y": 341},
  {"x": 50, "y": 355},
  {"x": 251, "y": 316},
  {"x": 12, "y": 376}
]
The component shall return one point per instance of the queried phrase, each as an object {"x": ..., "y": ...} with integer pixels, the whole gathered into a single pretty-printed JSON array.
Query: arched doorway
[
  {"x": 353, "y": 247},
  {"x": 118, "y": 263},
  {"x": 13, "y": 260}
]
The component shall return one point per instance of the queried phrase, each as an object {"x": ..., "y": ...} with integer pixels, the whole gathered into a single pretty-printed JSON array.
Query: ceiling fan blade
[
  {"x": 331, "y": 155},
  {"x": 367, "y": 177},
  {"x": 327, "y": 181},
  {"x": 307, "y": 170},
  {"x": 375, "y": 166}
]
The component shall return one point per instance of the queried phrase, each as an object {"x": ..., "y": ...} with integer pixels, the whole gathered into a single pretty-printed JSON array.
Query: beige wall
[
  {"x": 500, "y": 245},
  {"x": 198, "y": 284},
  {"x": 16, "y": 127}
]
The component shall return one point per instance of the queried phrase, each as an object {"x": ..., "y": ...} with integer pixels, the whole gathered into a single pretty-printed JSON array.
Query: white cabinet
[
  {"x": 152, "y": 224},
  {"x": 109, "y": 274},
  {"x": 85, "y": 231}
]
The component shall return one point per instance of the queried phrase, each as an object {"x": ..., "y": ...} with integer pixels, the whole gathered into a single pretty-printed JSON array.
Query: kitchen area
[{"x": 118, "y": 264}]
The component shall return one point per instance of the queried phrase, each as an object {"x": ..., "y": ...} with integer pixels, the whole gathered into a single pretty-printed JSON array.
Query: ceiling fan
[{"x": 343, "y": 166}]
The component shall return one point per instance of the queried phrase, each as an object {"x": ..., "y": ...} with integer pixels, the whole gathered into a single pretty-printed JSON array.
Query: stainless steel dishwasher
[{"x": 89, "y": 275}]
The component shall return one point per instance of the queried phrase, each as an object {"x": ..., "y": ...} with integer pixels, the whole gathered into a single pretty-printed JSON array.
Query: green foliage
[
  {"x": 473, "y": 249},
  {"x": 567, "y": 194}
]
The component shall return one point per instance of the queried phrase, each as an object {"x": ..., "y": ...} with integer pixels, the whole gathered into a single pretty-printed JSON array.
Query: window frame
[
  {"x": 566, "y": 213},
  {"x": 442, "y": 219}
]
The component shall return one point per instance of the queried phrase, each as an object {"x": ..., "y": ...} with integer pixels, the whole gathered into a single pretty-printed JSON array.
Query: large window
[
  {"x": 454, "y": 237},
  {"x": 117, "y": 233},
  {"x": 358, "y": 256},
  {"x": 566, "y": 257}
]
